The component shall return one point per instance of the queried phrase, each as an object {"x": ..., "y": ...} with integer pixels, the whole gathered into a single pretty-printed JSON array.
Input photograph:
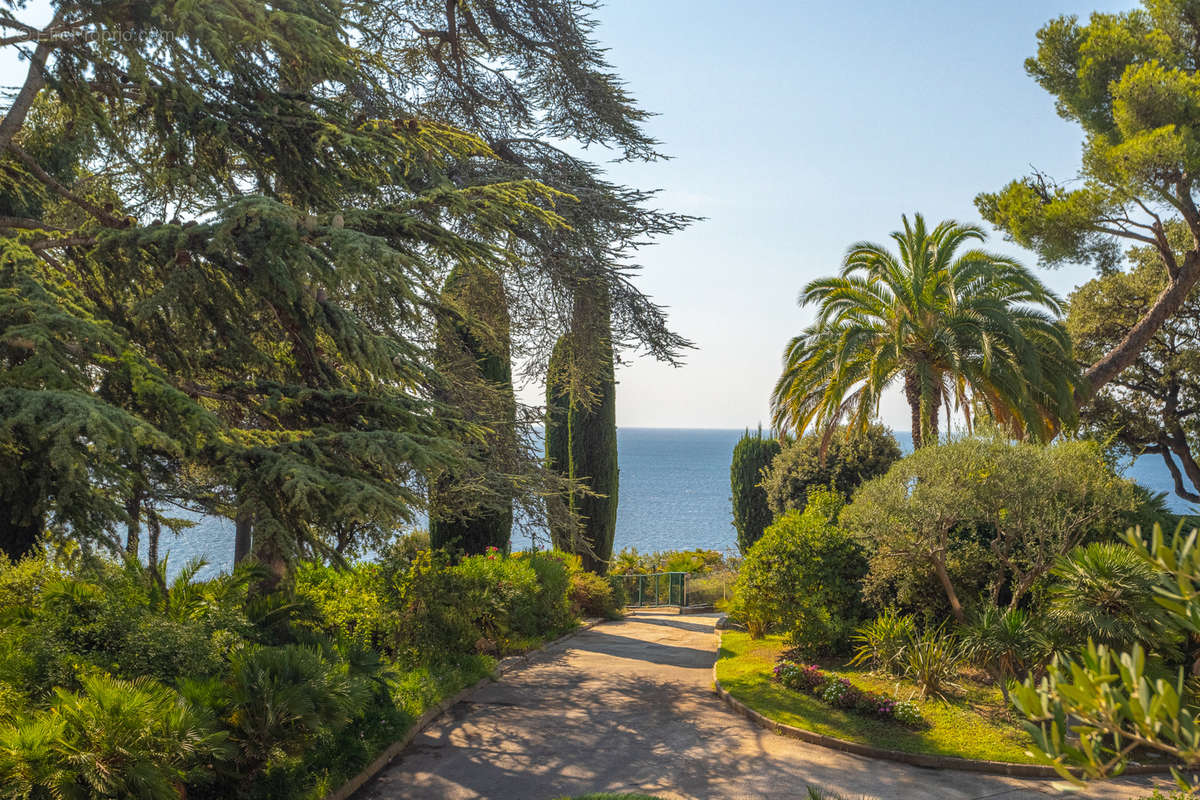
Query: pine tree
[
  {"x": 751, "y": 456},
  {"x": 262, "y": 337},
  {"x": 471, "y": 512}
]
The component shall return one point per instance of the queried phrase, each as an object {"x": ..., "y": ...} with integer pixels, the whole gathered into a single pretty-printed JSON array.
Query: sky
[{"x": 796, "y": 129}]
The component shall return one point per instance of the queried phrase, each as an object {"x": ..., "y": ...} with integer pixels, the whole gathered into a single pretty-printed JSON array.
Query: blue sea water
[{"x": 674, "y": 494}]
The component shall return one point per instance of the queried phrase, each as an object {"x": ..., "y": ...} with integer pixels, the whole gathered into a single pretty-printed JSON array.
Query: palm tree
[{"x": 967, "y": 326}]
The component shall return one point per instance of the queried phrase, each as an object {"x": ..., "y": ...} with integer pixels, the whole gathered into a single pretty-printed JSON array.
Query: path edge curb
[
  {"x": 347, "y": 789},
  {"x": 1010, "y": 769}
]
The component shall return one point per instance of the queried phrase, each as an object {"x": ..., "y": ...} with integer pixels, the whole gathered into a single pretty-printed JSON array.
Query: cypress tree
[
  {"x": 581, "y": 444},
  {"x": 593, "y": 428},
  {"x": 751, "y": 514},
  {"x": 473, "y": 351},
  {"x": 558, "y": 441}
]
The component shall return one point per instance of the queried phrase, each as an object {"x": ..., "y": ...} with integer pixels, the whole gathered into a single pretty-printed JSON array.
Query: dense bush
[
  {"x": 592, "y": 596},
  {"x": 842, "y": 693},
  {"x": 987, "y": 508},
  {"x": 803, "y": 577},
  {"x": 752, "y": 455},
  {"x": 1007, "y": 642},
  {"x": 1104, "y": 592},
  {"x": 848, "y": 462},
  {"x": 114, "y": 683},
  {"x": 113, "y": 738}
]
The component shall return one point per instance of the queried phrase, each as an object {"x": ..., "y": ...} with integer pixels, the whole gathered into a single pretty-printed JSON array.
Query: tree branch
[
  {"x": 35, "y": 79},
  {"x": 96, "y": 211}
]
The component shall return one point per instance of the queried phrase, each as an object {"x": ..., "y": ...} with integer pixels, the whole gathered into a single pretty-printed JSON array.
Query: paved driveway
[{"x": 628, "y": 707}]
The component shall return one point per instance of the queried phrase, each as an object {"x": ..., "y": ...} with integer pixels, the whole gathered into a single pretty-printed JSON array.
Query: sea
[{"x": 674, "y": 495}]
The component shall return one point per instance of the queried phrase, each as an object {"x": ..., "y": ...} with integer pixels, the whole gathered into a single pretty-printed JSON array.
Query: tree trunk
[
  {"x": 243, "y": 537},
  {"x": 20, "y": 524},
  {"x": 912, "y": 393},
  {"x": 1124, "y": 354},
  {"x": 152, "y": 532},
  {"x": 956, "y": 608},
  {"x": 133, "y": 509}
]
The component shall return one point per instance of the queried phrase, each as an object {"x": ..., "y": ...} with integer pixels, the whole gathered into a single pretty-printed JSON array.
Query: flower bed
[{"x": 841, "y": 693}]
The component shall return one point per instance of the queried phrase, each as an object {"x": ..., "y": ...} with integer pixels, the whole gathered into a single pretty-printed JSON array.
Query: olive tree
[{"x": 1030, "y": 504}]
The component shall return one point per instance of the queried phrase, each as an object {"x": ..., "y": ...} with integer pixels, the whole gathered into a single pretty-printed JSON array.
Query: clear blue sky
[{"x": 797, "y": 129}]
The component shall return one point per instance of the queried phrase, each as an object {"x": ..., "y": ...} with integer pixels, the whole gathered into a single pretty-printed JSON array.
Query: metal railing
[{"x": 655, "y": 589}]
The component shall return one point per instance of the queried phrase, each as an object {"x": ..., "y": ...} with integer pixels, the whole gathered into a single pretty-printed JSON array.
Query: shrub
[
  {"x": 592, "y": 596},
  {"x": 881, "y": 642},
  {"x": 349, "y": 602},
  {"x": 799, "y": 467},
  {"x": 501, "y": 593},
  {"x": 114, "y": 738},
  {"x": 430, "y": 618},
  {"x": 932, "y": 661},
  {"x": 1016, "y": 506},
  {"x": 803, "y": 577},
  {"x": 752, "y": 455},
  {"x": 1005, "y": 642},
  {"x": 552, "y": 608},
  {"x": 1105, "y": 592},
  {"x": 278, "y": 700},
  {"x": 842, "y": 693}
]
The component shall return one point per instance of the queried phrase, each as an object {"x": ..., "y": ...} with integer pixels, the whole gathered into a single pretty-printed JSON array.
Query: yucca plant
[
  {"x": 880, "y": 643},
  {"x": 932, "y": 661},
  {"x": 1004, "y": 642}
]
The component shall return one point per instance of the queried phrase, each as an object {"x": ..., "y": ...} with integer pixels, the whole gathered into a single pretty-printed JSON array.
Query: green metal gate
[{"x": 656, "y": 589}]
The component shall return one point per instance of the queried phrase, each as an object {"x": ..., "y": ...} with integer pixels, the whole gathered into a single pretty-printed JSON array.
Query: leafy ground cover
[{"x": 970, "y": 723}]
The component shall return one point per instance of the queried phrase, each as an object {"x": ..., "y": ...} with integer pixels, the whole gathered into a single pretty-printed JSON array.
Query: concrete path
[{"x": 628, "y": 706}]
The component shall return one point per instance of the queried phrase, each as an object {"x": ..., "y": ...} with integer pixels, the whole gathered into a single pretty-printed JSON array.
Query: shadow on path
[{"x": 628, "y": 707}]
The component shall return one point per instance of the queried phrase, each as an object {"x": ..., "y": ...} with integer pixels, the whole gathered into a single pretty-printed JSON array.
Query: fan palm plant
[
  {"x": 1105, "y": 593},
  {"x": 955, "y": 325}
]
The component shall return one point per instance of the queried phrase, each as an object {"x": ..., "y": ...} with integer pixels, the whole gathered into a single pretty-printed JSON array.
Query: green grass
[{"x": 972, "y": 724}]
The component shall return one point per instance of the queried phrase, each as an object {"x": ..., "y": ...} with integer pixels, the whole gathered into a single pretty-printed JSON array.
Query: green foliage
[
  {"x": 472, "y": 512},
  {"x": 1008, "y": 643},
  {"x": 278, "y": 700},
  {"x": 803, "y": 577},
  {"x": 880, "y": 644},
  {"x": 1104, "y": 592},
  {"x": 1011, "y": 508},
  {"x": 1089, "y": 707},
  {"x": 850, "y": 458},
  {"x": 299, "y": 685},
  {"x": 932, "y": 660},
  {"x": 591, "y": 595},
  {"x": 695, "y": 562},
  {"x": 114, "y": 738},
  {"x": 350, "y": 602},
  {"x": 752, "y": 455},
  {"x": 581, "y": 444},
  {"x": 551, "y": 611},
  {"x": 430, "y": 620},
  {"x": 968, "y": 327}
]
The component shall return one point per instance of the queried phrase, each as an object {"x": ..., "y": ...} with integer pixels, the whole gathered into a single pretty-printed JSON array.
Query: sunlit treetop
[{"x": 1130, "y": 81}]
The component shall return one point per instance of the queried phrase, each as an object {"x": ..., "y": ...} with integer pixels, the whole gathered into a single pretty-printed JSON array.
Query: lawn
[{"x": 971, "y": 724}]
